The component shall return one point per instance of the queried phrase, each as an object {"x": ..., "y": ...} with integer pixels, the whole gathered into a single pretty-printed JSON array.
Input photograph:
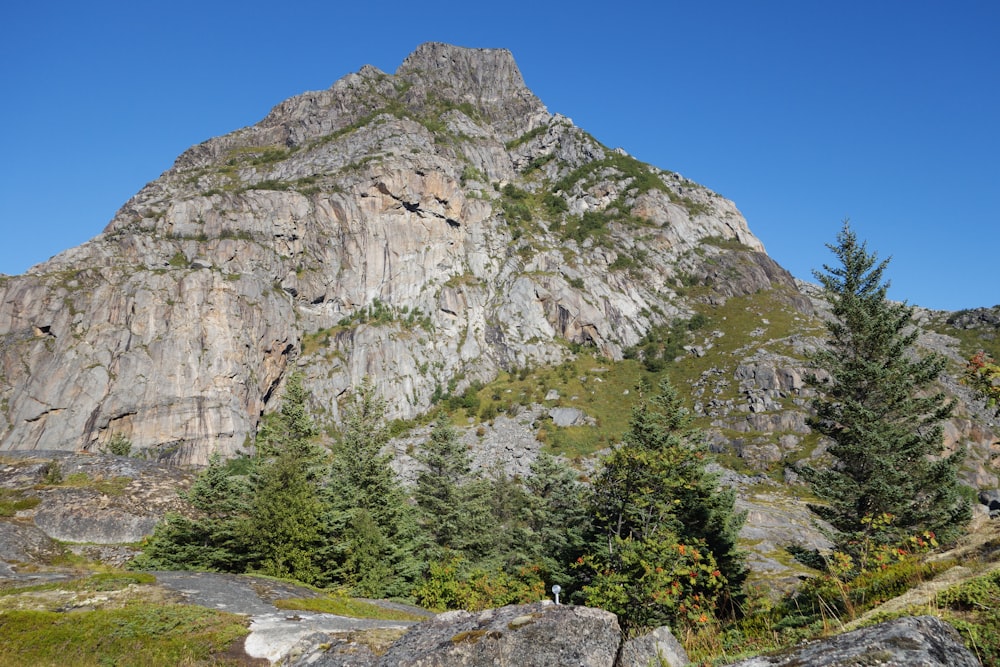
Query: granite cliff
[{"x": 428, "y": 227}]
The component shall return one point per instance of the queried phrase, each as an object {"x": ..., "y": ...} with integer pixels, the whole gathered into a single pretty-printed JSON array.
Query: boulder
[
  {"x": 540, "y": 634},
  {"x": 903, "y": 642},
  {"x": 990, "y": 498},
  {"x": 659, "y": 648}
]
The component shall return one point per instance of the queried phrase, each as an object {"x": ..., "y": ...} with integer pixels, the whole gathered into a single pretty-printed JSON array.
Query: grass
[
  {"x": 341, "y": 605},
  {"x": 137, "y": 634},
  {"x": 105, "y": 581},
  {"x": 81, "y": 480},
  {"x": 606, "y": 390},
  {"x": 111, "y": 617},
  {"x": 11, "y": 502}
]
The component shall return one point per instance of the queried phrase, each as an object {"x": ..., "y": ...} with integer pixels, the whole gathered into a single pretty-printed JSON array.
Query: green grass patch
[
  {"x": 105, "y": 581},
  {"x": 11, "y": 502},
  {"x": 341, "y": 605},
  {"x": 138, "y": 634},
  {"x": 110, "y": 487}
]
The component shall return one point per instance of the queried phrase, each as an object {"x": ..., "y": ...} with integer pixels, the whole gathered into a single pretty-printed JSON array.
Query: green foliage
[
  {"x": 974, "y": 609},
  {"x": 514, "y": 202},
  {"x": 558, "y": 519},
  {"x": 527, "y": 136},
  {"x": 449, "y": 514},
  {"x": 375, "y": 526},
  {"x": 455, "y": 584},
  {"x": 878, "y": 407},
  {"x": 118, "y": 445},
  {"x": 217, "y": 538},
  {"x": 380, "y": 313},
  {"x": 284, "y": 526},
  {"x": 12, "y": 502},
  {"x": 982, "y": 373},
  {"x": 269, "y": 520},
  {"x": 654, "y": 581},
  {"x": 137, "y": 634},
  {"x": 663, "y": 343},
  {"x": 653, "y": 501},
  {"x": 179, "y": 260}
]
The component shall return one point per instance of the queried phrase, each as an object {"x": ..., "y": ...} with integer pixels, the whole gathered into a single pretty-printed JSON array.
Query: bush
[{"x": 118, "y": 445}]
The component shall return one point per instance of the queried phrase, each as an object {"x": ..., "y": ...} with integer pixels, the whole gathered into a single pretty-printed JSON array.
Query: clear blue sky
[{"x": 804, "y": 113}]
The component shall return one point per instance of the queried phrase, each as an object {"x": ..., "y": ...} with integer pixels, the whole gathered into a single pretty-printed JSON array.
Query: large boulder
[
  {"x": 905, "y": 642},
  {"x": 540, "y": 634}
]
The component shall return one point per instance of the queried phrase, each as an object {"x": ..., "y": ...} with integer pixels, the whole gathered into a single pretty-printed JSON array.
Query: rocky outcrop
[
  {"x": 904, "y": 642},
  {"x": 88, "y": 504},
  {"x": 540, "y": 634},
  {"x": 427, "y": 227}
]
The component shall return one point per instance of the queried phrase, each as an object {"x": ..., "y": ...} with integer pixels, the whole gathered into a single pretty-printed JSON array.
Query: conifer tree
[
  {"x": 374, "y": 526},
  {"x": 215, "y": 538},
  {"x": 557, "y": 516},
  {"x": 664, "y": 538},
  {"x": 438, "y": 490},
  {"x": 878, "y": 406},
  {"x": 285, "y": 516}
]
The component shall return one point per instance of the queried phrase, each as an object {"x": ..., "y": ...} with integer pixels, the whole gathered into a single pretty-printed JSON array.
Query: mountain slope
[{"x": 426, "y": 228}]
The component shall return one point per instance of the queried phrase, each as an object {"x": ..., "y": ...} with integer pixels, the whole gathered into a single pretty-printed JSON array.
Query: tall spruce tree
[
  {"x": 878, "y": 405},
  {"x": 285, "y": 516},
  {"x": 453, "y": 514},
  {"x": 558, "y": 518},
  {"x": 214, "y": 537},
  {"x": 664, "y": 538},
  {"x": 374, "y": 524}
]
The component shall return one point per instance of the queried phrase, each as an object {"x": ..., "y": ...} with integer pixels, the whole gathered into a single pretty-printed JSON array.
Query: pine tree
[
  {"x": 658, "y": 511},
  {"x": 285, "y": 526},
  {"x": 558, "y": 518},
  {"x": 439, "y": 493},
  {"x": 878, "y": 406},
  {"x": 369, "y": 515}
]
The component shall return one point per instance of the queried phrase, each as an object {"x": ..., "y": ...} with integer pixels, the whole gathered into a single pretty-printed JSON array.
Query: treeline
[{"x": 652, "y": 538}]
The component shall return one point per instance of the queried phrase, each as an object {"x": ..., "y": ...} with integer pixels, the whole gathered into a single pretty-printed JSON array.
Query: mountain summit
[{"x": 426, "y": 229}]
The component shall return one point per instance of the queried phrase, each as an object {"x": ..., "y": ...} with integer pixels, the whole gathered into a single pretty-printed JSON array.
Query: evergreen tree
[
  {"x": 214, "y": 538},
  {"x": 558, "y": 518},
  {"x": 285, "y": 526},
  {"x": 369, "y": 513},
  {"x": 878, "y": 406},
  {"x": 440, "y": 491},
  {"x": 655, "y": 508}
]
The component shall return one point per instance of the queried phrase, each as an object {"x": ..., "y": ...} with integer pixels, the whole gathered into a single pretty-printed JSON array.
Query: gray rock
[
  {"x": 536, "y": 635},
  {"x": 177, "y": 325},
  {"x": 89, "y": 522},
  {"x": 659, "y": 648},
  {"x": 567, "y": 416},
  {"x": 915, "y": 641},
  {"x": 990, "y": 498}
]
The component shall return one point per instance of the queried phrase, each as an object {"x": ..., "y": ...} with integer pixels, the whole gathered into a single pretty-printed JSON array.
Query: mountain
[{"x": 430, "y": 229}]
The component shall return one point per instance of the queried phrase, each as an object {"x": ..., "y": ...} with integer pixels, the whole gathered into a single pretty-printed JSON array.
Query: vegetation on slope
[{"x": 113, "y": 617}]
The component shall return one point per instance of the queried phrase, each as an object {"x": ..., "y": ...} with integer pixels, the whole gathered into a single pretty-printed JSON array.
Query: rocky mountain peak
[
  {"x": 426, "y": 229},
  {"x": 485, "y": 79}
]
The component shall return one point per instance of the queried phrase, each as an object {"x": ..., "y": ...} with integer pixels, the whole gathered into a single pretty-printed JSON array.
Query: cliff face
[{"x": 426, "y": 229}]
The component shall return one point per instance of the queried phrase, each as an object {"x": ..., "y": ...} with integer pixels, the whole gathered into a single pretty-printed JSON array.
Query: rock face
[
  {"x": 85, "y": 502},
  {"x": 534, "y": 635},
  {"x": 527, "y": 635},
  {"x": 428, "y": 227},
  {"x": 904, "y": 642}
]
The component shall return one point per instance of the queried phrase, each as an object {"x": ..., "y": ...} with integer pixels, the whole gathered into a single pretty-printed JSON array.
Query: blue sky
[{"x": 803, "y": 113}]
